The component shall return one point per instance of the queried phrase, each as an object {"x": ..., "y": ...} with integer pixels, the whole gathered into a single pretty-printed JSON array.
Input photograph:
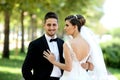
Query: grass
[
  {"x": 115, "y": 72},
  {"x": 10, "y": 69}
]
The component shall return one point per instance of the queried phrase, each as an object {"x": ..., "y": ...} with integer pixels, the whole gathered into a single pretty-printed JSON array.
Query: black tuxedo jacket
[{"x": 41, "y": 67}]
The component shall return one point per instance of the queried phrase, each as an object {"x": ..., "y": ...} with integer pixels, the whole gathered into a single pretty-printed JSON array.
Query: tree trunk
[
  {"x": 6, "y": 35},
  {"x": 16, "y": 50},
  {"x": 22, "y": 28},
  {"x": 33, "y": 27}
]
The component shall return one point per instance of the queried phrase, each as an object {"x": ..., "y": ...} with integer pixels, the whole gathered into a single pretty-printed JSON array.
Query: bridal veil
[{"x": 99, "y": 72}]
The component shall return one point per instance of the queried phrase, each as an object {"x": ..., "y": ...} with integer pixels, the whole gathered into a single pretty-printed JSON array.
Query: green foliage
[
  {"x": 6, "y": 5},
  {"x": 115, "y": 32},
  {"x": 111, "y": 49},
  {"x": 111, "y": 52},
  {"x": 90, "y": 8}
]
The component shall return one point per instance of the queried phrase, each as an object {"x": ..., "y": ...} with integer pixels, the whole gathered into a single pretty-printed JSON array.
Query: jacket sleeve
[{"x": 27, "y": 64}]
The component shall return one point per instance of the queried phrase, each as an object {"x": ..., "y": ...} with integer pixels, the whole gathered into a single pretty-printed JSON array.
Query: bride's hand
[{"x": 49, "y": 56}]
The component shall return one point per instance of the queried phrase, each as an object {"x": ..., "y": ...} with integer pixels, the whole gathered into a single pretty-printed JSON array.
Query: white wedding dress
[{"x": 77, "y": 72}]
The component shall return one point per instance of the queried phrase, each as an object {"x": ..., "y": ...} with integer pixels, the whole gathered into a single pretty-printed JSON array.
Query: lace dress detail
[{"x": 77, "y": 72}]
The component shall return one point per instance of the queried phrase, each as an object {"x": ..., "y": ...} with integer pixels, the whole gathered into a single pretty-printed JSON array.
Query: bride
[{"x": 77, "y": 51}]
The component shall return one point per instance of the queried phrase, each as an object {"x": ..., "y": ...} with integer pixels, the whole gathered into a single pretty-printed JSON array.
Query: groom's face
[{"x": 51, "y": 26}]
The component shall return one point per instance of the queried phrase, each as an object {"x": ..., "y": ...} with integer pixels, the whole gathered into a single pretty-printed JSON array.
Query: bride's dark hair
[
  {"x": 81, "y": 19},
  {"x": 76, "y": 20}
]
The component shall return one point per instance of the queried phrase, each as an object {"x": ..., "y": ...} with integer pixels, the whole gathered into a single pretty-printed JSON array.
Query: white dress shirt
[{"x": 54, "y": 49}]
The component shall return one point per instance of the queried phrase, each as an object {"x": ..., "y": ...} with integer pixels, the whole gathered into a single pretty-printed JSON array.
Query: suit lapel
[
  {"x": 45, "y": 42},
  {"x": 60, "y": 48}
]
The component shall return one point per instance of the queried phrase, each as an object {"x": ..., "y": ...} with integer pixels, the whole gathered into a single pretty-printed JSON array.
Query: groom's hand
[
  {"x": 88, "y": 66},
  {"x": 84, "y": 65}
]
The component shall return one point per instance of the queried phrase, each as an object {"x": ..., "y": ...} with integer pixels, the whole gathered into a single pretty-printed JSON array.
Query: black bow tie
[{"x": 53, "y": 39}]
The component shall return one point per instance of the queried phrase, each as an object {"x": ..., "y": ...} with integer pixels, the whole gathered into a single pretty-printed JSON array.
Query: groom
[{"x": 35, "y": 66}]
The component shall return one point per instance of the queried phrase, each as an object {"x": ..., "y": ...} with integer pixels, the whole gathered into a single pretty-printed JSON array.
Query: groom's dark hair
[{"x": 50, "y": 15}]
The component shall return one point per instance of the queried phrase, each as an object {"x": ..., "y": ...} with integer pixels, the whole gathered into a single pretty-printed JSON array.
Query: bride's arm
[{"x": 65, "y": 66}]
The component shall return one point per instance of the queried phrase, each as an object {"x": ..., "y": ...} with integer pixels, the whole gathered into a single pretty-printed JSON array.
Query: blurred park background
[{"x": 21, "y": 22}]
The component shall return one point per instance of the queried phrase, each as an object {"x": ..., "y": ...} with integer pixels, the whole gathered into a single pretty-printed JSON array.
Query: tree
[
  {"x": 6, "y": 8},
  {"x": 91, "y": 9}
]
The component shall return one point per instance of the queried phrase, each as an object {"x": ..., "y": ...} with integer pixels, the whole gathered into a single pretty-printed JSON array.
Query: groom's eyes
[{"x": 51, "y": 24}]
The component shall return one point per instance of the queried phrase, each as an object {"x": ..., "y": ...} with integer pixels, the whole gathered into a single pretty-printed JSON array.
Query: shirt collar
[{"x": 48, "y": 37}]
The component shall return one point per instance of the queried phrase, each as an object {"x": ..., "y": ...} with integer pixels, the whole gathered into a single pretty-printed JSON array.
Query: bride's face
[{"x": 69, "y": 28}]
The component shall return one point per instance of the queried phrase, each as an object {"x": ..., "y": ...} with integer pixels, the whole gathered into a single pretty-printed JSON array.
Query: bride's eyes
[{"x": 66, "y": 25}]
